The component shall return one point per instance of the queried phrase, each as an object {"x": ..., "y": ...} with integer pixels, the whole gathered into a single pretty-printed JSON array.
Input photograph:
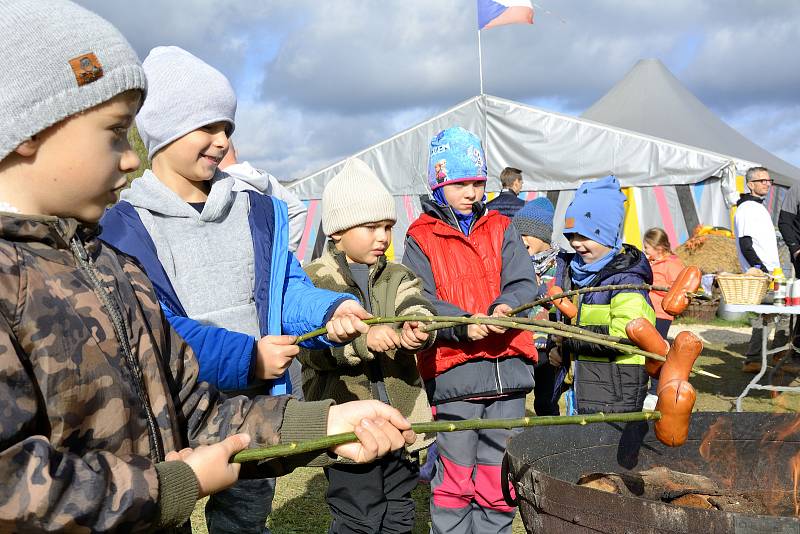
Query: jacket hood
[
  {"x": 53, "y": 232},
  {"x": 149, "y": 193},
  {"x": 745, "y": 197},
  {"x": 445, "y": 213},
  {"x": 628, "y": 260}
]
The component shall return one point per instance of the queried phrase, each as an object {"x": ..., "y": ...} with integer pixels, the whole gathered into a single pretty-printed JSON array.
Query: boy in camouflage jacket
[
  {"x": 358, "y": 214},
  {"x": 99, "y": 397}
]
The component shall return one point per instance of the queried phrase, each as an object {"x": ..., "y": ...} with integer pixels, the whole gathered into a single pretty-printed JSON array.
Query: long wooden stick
[
  {"x": 510, "y": 322},
  {"x": 288, "y": 449},
  {"x": 584, "y": 290}
]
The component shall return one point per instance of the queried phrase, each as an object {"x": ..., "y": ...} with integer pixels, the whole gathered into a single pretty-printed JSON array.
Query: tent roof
[
  {"x": 554, "y": 151},
  {"x": 651, "y": 100}
]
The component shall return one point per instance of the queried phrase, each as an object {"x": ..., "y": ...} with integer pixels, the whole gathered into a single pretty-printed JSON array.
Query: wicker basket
[{"x": 743, "y": 288}]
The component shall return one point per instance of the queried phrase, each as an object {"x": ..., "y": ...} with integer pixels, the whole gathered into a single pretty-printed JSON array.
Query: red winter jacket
[{"x": 467, "y": 270}]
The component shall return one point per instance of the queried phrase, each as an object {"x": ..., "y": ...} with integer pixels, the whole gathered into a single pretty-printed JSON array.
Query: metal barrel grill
[{"x": 753, "y": 453}]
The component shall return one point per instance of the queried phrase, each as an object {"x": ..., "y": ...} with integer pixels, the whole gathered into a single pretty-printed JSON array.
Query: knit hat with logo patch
[
  {"x": 455, "y": 155},
  {"x": 186, "y": 93},
  {"x": 353, "y": 197},
  {"x": 597, "y": 212},
  {"x": 535, "y": 219},
  {"x": 58, "y": 59}
]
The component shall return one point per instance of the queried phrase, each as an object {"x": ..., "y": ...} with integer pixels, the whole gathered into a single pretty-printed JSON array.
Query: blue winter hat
[
  {"x": 597, "y": 212},
  {"x": 456, "y": 155},
  {"x": 535, "y": 219}
]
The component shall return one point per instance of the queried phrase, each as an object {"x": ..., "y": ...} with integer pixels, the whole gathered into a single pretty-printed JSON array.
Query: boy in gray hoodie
[{"x": 218, "y": 256}]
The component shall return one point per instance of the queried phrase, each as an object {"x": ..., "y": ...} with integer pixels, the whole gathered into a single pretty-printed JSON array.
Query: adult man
[
  {"x": 507, "y": 202},
  {"x": 756, "y": 245}
]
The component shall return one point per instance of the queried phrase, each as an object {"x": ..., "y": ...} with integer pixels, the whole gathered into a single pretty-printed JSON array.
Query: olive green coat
[{"x": 345, "y": 373}]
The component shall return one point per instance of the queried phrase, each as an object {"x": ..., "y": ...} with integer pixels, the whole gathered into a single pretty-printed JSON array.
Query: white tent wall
[{"x": 556, "y": 152}]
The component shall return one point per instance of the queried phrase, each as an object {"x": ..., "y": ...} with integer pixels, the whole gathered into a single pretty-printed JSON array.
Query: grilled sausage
[
  {"x": 680, "y": 358},
  {"x": 564, "y": 305},
  {"x": 676, "y": 300},
  {"x": 646, "y": 337},
  {"x": 676, "y": 399}
]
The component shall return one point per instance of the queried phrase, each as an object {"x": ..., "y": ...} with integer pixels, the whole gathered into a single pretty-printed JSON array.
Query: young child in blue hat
[
  {"x": 472, "y": 263},
  {"x": 534, "y": 221},
  {"x": 604, "y": 380}
]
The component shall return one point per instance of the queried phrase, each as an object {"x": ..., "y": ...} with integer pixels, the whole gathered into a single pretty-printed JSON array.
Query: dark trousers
[
  {"x": 662, "y": 325},
  {"x": 372, "y": 498},
  {"x": 243, "y": 507},
  {"x": 546, "y": 388}
]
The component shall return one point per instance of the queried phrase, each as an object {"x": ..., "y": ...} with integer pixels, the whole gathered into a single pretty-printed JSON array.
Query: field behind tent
[{"x": 300, "y": 507}]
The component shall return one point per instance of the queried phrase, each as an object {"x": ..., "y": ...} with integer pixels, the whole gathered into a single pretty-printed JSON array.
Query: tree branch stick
[
  {"x": 509, "y": 322},
  {"x": 287, "y": 449}
]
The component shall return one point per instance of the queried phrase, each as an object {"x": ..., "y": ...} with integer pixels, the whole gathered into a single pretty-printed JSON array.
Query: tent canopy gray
[{"x": 651, "y": 100}]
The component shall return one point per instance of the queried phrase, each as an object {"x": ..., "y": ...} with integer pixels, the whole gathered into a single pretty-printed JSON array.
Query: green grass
[
  {"x": 716, "y": 322},
  {"x": 300, "y": 508}
]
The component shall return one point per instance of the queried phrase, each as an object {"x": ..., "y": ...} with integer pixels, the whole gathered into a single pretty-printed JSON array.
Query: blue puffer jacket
[{"x": 281, "y": 286}]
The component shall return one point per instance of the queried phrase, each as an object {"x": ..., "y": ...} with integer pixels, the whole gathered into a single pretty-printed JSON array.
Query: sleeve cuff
[
  {"x": 178, "y": 490},
  {"x": 305, "y": 420}
]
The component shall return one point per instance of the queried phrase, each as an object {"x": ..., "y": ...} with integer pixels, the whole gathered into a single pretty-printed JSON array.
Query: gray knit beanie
[
  {"x": 353, "y": 197},
  {"x": 58, "y": 59},
  {"x": 186, "y": 93},
  {"x": 536, "y": 219}
]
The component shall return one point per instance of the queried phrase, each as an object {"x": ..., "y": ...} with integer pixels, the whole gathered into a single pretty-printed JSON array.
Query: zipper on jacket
[
  {"x": 121, "y": 330},
  {"x": 497, "y": 372}
]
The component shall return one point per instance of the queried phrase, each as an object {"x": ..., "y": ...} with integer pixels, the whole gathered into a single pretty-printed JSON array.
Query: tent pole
[{"x": 480, "y": 60}]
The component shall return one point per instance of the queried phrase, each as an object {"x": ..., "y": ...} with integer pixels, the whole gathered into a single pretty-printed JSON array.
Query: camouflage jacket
[
  {"x": 351, "y": 372},
  {"x": 96, "y": 388}
]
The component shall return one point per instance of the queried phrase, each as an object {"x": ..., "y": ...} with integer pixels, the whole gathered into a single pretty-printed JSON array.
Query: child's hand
[
  {"x": 274, "y": 354},
  {"x": 554, "y": 356},
  {"x": 411, "y": 337},
  {"x": 211, "y": 463},
  {"x": 501, "y": 310},
  {"x": 379, "y": 427},
  {"x": 181, "y": 455},
  {"x": 477, "y": 331},
  {"x": 382, "y": 338},
  {"x": 347, "y": 322}
]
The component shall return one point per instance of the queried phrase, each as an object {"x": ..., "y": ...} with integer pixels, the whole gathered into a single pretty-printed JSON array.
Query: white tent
[{"x": 683, "y": 184}]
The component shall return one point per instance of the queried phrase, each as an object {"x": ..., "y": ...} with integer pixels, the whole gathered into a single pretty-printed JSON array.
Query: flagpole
[{"x": 480, "y": 60}]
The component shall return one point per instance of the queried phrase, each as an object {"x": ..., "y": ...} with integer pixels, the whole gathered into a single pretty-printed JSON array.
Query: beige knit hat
[{"x": 355, "y": 196}]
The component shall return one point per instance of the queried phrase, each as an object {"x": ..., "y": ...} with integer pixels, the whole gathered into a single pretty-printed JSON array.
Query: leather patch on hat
[
  {"x": 87, "y": 68},
  {"x": 569, "y": 223}
]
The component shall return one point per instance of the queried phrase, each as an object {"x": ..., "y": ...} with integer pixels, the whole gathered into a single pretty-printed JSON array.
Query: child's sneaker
[{"x": 650, "y": 402}]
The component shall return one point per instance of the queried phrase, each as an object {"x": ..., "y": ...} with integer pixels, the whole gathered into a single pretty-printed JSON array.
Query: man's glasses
[{"x": 765, "y": 181}]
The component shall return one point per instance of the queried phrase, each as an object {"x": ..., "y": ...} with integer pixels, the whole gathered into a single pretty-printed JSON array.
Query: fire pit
[{"x": 757, "y": 454}]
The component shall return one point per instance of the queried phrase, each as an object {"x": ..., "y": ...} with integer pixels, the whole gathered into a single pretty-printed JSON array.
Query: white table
[{"x": 768, "y": 314}]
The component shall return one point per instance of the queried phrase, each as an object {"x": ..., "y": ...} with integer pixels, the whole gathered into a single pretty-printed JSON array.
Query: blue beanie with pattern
[
  {"x": 597, "y": 212},
  {"x": 455, "y": 155},
  {"x": 535, "y": 219}
]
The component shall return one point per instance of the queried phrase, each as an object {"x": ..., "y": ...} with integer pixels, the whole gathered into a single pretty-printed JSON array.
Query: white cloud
[{"x": 320, "y": 80}]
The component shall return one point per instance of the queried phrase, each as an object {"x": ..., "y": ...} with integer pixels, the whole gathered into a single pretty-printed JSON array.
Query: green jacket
[{"x": 346, "y": 373}]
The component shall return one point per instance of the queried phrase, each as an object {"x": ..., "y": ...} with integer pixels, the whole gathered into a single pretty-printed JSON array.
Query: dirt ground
[{"x": 300, "y": 507}]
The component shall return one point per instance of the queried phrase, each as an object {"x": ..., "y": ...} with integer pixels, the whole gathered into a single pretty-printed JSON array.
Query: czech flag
[{"x": 493, "y": 13}]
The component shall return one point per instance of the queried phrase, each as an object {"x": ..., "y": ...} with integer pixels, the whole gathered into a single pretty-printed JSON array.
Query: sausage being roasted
[
  {"x": 564, "y": 305},
  {"x": 676, "y": 300},
  {"x": 676, "y": 399},
  {"x": 646, "y": 337}
]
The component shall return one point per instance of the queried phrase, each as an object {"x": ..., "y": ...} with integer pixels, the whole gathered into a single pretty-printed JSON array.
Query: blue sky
[{"x": 318, "y": 81}]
